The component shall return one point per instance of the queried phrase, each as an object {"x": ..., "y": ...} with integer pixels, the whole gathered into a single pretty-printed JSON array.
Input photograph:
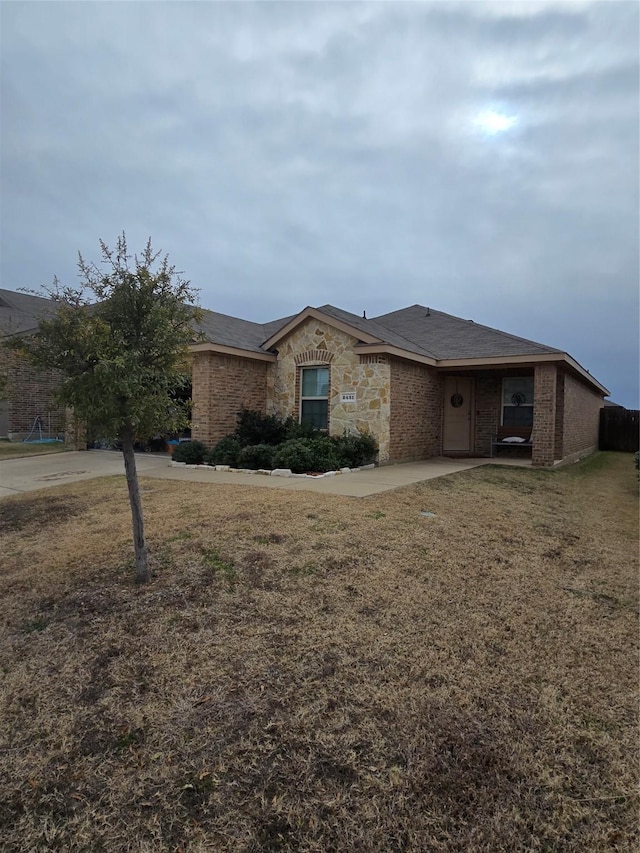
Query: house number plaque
[{"x": 349, "y": 397}]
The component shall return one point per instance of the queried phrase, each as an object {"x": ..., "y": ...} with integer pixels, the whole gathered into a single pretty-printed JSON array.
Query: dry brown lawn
[{"x": 313, "y": 673}]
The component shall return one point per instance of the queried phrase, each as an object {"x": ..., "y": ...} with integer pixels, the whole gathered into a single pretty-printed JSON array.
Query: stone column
[{"x": 544, "y": 415}]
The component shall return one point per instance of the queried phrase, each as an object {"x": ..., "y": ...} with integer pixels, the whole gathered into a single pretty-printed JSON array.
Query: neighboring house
[
  {"x": 29, "y": 391},
  {"x": 423, "y": 382}
]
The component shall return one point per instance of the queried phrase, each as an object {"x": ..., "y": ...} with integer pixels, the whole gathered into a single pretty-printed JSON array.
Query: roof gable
[
  {"x": 340, "y": 319},
  {"x": 378, "y": 330}
]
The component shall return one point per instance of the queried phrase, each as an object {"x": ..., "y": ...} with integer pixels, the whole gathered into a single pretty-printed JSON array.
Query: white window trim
[{"x": 303, "y": 397}]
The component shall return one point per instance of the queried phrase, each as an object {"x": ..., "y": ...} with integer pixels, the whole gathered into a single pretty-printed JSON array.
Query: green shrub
[
  {"x": 256, "y": 456},
  {"x": 191, "y": 452},
  {"x": 266, "y": 441},
  {"x": 325, "y": 453},
  {"x": 254, "y": 428},
  {"x": 304, "y": 455},
  {"x": 300, "y": 430},
  {"x": 295, "y": 454},
  {"x": 356, "y": 450},
  {"x": 225, "y": 452}
]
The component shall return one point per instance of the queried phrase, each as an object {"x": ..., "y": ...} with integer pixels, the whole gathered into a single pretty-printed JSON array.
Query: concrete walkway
[
  {"x": 359, "y": 484},
  {"x": 45, "y": 471}
]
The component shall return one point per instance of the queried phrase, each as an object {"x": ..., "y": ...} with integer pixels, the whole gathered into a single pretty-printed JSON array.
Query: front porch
[{"x": 509, "y": 415}]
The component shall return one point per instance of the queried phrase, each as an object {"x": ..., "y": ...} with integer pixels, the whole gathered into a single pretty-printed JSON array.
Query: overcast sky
[{"x": 480, "y": 158}]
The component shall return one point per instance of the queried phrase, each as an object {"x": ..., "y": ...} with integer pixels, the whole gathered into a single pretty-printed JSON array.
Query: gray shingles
[
  {"x": 20, "y": 312},
  {"x": 377, "y": 329},
  {"x": 416, "y": 329},
  {"x": 234, "y": 332},
  {"x": 451, "y": 337}
]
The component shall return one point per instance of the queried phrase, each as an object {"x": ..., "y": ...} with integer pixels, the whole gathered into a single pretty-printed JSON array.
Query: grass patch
[
  {"x": 181, "y": 537},
  {"x": 18, "y": 449},
  {"x": 594, "y": 464},
  {"x": 31, "y": 625},
  {"x": 375, "y": 682},
  {"x": 128, "y": 739},
  {"x": 215, "y": 563},
  {"x": 269, "y": 538},
  {"x": 34, "y": 512},
  {"x": 305, "y": 569}
]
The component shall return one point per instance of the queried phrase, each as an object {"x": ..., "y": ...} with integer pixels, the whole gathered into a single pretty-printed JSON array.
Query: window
[
  {"x": 314, "y": 397},
  {"x": 517, "y": 401}
]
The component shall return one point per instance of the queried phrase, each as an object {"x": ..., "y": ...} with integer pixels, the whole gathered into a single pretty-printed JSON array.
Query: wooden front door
[{"x": 457, "y": 414}]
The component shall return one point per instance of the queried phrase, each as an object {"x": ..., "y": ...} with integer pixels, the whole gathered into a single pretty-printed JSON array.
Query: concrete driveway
[
  {"x": 41, "y": 472},
  {"x": 55, "y": 469}
]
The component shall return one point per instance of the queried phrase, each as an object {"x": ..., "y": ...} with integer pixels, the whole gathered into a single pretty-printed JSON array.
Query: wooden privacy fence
[{"x": 620, "y": 430}]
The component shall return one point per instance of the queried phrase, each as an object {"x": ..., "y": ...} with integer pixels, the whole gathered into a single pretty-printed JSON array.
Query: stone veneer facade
[{"x": 315, "y": 343}]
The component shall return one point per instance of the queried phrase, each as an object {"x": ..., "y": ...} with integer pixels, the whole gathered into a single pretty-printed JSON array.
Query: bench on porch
[{"x": 503, "y": 435}]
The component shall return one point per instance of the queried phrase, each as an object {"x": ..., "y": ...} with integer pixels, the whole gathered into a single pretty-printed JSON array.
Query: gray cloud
[{"x": 287, "y": 154}]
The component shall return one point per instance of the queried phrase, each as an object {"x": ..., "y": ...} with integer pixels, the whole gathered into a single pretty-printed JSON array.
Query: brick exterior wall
[
  {"x": 221, "y": 386},
  {"x": 581, "y": 417},
  {"x": 487, "y": 411},
  {"x": 416, "y": 411},
  {"x": 544, "y": 415},
  {"x": 31, "y": 394},
  {"x": 566, "y": 416},
  {"x": 559, "y": 431}
]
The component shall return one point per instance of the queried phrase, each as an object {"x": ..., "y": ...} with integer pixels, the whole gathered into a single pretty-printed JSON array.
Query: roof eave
[
  {"x": 238, "y": 352},
  {"x": 521, "y": 360},
  {"x": 390, "y": 349}
]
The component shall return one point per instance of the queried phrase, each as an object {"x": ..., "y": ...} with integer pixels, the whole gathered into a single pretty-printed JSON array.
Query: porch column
[{"x": 544, "y": 415}]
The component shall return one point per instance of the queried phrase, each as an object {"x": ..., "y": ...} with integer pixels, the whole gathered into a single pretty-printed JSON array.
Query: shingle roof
[
  {"x": 20, "y": 312},
  {"x": 375, "y": 328},
  {"x": 417, "y": 329},
  {"x": 449, "y": 337},
  {"x": 234, "y": 332}
]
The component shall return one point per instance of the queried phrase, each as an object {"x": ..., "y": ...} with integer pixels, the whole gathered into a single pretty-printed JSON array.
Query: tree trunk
[{"x": 137, "y": 520}]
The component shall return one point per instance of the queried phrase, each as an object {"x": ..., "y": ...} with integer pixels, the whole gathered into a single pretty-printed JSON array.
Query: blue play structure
[{"x": 37, "y": 425}]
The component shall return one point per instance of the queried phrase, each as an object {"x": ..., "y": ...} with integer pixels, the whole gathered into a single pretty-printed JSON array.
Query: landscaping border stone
[{"x": 277, "y": 472}]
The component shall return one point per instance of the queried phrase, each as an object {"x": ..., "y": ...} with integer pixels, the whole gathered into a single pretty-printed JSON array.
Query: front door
[{"x": 457, "y": 414}]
